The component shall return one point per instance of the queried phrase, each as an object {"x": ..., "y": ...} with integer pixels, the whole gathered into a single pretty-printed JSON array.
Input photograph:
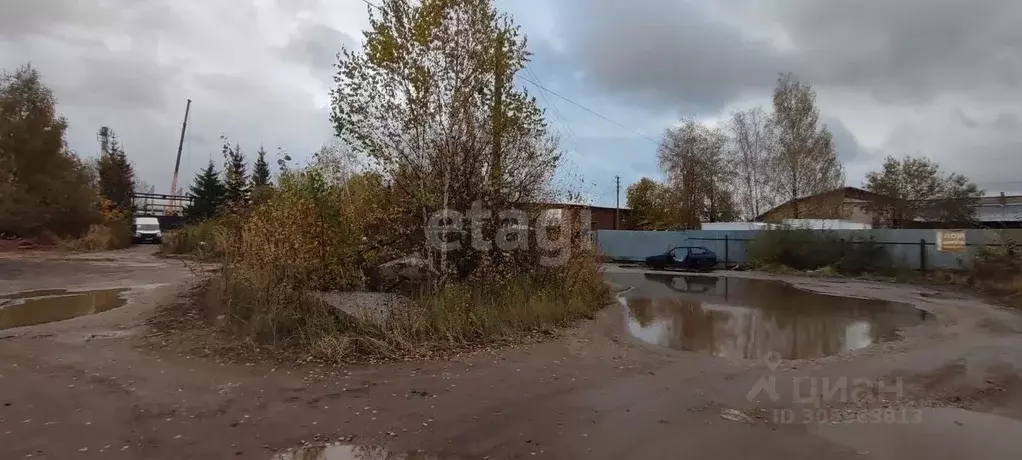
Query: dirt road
[{"x": 99, "y": 387}]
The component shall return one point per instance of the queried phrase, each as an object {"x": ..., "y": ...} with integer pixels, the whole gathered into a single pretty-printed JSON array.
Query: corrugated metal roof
[
  {"x": 999, "y": 213},
  {"x": 998, "y": 200}
]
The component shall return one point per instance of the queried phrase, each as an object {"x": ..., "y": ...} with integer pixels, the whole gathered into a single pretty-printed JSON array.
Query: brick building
[
  {"x": 847, "y": 203},
  {"x": 602, "y": 218}
]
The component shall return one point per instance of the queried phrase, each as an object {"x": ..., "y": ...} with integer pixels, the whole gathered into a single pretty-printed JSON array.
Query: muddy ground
[{"x": 102, "y": 386}]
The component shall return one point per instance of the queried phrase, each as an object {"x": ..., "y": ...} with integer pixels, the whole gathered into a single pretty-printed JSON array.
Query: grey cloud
[
  {"x": 550, "y": 64},
  {"x": 83, "y": 75},
  {"x": 1008, "y": 122},
  {"x": 294, "y": 6},
  {"x": 699, "y": 57},
  {"x": 120, "y": 84},
  {"x": 61, "y": 18},
  {"x": 130, "y": 65},
  {"x": 26, "y": 17},
  {"x": 988, "y": 150},
  {"x": 907, "y": 50},
  {"x": 70, "y": 41},
  {"x": 967, "y": 121},
  {"x": 847, "y": 147},
  {"x": 666, "y": 53},
  {"x": 316, "y": 46},
  {"x": 690, "y": 55}
]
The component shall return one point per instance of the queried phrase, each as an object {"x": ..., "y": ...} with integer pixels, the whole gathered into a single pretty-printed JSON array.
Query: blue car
[{"x": 685, "y": 258}]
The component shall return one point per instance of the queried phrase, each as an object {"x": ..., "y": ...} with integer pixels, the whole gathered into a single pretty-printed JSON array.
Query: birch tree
[
  {"x": 654, "y": 206},
  {"x": 432, "y": 103},
  {"x": 693, "y": 159},
  {"x": 805, "y": 162},
  {"x": 753, "y": 144}
]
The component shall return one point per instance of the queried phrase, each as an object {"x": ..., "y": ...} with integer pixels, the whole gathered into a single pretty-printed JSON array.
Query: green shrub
[
  {"x": 197, "y": 240},
  {"x": 264, "y": 305},
  {"x": 802, "y": 249},
  {"x": 864, "y": 256},
  {"x": 113, "y": 235},
  {"x": 997, "y": 269},
  {"x": 794, "y": 248},
  {"x": 44, "y": 186},
  {"x": 479, "y": 312},
  {"x": 322, "y": 233},
  {"x": 998, "y": 262}
]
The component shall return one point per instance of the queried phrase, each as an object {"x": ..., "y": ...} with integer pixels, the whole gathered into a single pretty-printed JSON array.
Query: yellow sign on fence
[{"x": 951, "y": 241}]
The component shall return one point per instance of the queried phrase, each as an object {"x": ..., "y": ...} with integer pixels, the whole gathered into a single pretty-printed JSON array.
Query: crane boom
[{"x": 180, "y": 144}]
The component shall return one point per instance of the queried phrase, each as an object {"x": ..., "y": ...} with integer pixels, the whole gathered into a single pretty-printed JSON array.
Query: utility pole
[
  {"x": 617, "y": 197},
  {"x": 180, "y": 144}
]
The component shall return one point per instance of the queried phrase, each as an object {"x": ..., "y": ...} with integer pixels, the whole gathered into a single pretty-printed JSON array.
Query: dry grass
[
  {"x": 194, "y": 240},
  {"x": 258, "y": 311},
  {"x": 997, "y": 270},
  {"x": 112, "y": 235},
  {"x": 815, "y": 250},
  {"x": 316, "y": 235}
]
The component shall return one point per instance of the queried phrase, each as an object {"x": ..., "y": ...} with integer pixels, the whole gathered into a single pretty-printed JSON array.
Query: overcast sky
[{"x": 941, "y": 78}]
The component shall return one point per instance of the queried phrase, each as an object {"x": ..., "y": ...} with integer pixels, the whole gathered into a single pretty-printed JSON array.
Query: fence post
[
  {"x": 922, "y": 254},
  {"x": 727, "y": 251}
]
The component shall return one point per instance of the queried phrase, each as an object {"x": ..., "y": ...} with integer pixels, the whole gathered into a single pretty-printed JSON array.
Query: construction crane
[{"x": 177, "y": 163}]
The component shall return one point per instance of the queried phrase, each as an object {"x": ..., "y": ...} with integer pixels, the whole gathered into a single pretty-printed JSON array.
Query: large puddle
[
  {"x": 351, "y": 452},
  {"x": 747, "y": 318},
  {"x": 46, "y": 306}
]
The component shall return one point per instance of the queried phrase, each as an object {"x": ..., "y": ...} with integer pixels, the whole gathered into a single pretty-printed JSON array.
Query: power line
[
  {"x": 542, "y": 93},
  {"x": 557, "y": 112},
  {"x": 587, "y": 109},
  {"x": 544, "y": 89},
  {"x": 561, "y": 117},
  {"x": 367, "y": 2},
  {"x": 610, "y": 188}
]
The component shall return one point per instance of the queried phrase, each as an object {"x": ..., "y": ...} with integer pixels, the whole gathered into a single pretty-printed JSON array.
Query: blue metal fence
[{"x": 911, "y": 248}]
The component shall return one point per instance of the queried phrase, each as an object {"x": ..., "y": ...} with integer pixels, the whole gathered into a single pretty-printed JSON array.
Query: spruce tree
[
  {"x": 116, "y": 176},
  {"x": 260, "y": 170},
  {"x": 236, "y": 192},
  {"x": 207, "y": 193}
]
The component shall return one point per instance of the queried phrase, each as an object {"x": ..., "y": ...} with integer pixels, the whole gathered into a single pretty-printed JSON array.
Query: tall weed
[
  {"x": 999, "y": 262},
  {"x": 802, "y": 249},
  {"x": 266, "y": 306},
  {"x": 114, "y": 233},
  {"x": 197, "y": 240},
  {"x": 317, "y": 234},
  {"x": 998, "y": 268}
]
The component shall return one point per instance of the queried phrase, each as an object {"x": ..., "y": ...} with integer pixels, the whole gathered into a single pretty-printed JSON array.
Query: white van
[{"x": 147, "y": 229}]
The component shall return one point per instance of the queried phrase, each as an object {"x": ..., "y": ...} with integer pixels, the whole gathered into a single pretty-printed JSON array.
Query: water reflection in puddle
[
  {"x": 31, "y": 294},
  {"x": 38, "y": 307},
  {"x": 746, "y": 318},
  {"x": 350, "y": 452}
]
